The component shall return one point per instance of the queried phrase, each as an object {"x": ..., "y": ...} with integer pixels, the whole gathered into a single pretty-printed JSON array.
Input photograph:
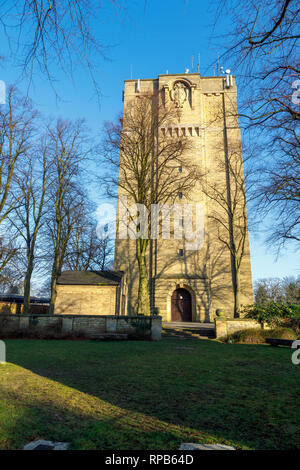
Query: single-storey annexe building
[{"x": 90, "y": 293}]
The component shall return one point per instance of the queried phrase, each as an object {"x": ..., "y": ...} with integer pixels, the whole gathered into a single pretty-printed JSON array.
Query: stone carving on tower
[{"x": 179, "y": 94}]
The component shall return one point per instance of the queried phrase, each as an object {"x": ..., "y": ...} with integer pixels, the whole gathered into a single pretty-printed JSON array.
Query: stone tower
[{"x": 192, "y": 285}]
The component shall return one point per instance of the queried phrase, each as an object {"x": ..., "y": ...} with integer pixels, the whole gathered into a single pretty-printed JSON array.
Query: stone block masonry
[
  {"x": 208, "y": 120},
  {"x": 136, "y": 327},
  {"x": 225, "y": 327}
]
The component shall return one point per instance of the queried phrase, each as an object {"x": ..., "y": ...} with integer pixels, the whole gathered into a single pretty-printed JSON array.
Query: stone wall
[
  {"x": 138, "y": 327},
  {"x": 225, "y": 327},
  {"x": 86, "y": 300}
]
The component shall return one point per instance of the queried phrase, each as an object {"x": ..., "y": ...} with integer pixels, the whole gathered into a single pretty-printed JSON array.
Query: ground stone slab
[
  {"x": 46, "y": 445},
  {"x": 191, "y": 446}
]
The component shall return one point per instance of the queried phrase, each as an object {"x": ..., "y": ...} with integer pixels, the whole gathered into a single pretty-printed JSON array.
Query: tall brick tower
[{"x": 193, "y": 285}]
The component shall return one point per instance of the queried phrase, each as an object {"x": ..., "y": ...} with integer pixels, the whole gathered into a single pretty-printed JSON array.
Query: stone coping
[
  {"x": 235, "y": 319},
  {"x": 121, "y": 317}
]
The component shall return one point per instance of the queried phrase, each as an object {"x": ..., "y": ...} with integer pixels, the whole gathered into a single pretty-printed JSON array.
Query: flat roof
[{"x": 174, "y": 75}]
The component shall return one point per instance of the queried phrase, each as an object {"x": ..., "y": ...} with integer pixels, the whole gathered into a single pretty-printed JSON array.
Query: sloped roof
[
  {"x": 90, "y": 278},
  {"x": 19, "y": 299}
]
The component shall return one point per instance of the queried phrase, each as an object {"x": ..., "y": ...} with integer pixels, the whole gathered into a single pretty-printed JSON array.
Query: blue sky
[{"x": 152, "y": 37}]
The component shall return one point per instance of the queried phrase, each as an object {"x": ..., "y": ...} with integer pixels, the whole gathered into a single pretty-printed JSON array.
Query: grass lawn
[{"x": 148, "y": 395}]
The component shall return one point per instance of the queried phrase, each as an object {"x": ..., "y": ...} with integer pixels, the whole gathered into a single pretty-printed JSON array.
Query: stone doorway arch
[{"x": 181, "y": 306}]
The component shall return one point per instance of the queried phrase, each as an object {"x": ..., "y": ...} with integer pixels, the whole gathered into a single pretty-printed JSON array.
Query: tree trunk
[
  {"x": 53, "y": 283},
  {"x": 237, "y": 292},
  {"x": 143, "y": 292},
  {"x": 27, "y": 283},
  {"x": 56, "y": 261},
  {"x": 53, "y": 296}
]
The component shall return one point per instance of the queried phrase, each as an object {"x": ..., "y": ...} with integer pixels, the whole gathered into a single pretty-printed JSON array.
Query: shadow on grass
[
  {"x": 141, "y": 395},
  {"x": 83, "y": 421}
]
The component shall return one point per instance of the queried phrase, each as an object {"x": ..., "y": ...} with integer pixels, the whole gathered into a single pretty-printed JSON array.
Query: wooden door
[{"x": 181, "y": 306}]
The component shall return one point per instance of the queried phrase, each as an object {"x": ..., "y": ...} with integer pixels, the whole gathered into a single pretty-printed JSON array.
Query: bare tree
[
  {"x": 33, "y": 182},
  {"x": 228, "y": 211},
  {"x": 67, "y": 150},
  {"x": 291, "y": 288},
  {"x": 268, "y": 290},
  {"x": 45, "y": 32},
  {"x": 264, "y": 39},
  {"x": 8, "y": 254},
  {"x": 278, "y": 192},
  {"x": 16, "y": 132},
  {"x": 85, "y": 249},
  {"x": 17, "y": 120},
  {"x": 144, "y": 166},
  {"x": 264, "y": 51},
  {"x": 285, "y": 290}
]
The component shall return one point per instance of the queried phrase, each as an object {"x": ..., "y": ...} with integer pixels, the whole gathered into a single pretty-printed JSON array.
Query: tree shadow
[
  {"x": 64, "y": 414},
  {"x": 143, "y": 392}
]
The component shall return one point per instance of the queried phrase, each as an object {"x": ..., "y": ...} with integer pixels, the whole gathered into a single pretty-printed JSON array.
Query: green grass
[{"x": 148, "y": 395}]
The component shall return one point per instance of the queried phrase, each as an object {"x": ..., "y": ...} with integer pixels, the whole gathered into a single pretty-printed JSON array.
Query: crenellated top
[{"x": 190, "y": 130}]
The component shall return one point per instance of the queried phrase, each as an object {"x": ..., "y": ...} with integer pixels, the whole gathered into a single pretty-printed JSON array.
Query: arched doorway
[{"x": 181, "y": 305}]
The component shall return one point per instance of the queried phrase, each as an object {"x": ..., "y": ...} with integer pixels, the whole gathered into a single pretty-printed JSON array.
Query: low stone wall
[
  {"x": 87, "y": 325},
  {"x": 225, "y": 327}
]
